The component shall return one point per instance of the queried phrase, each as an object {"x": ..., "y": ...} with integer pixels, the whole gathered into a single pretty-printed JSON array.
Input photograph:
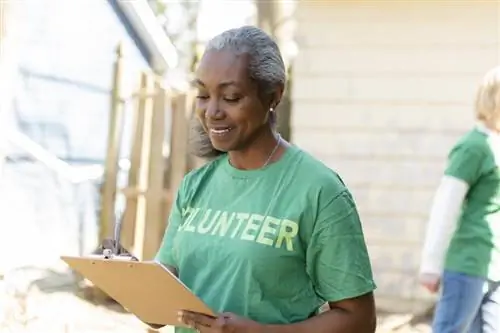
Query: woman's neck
[
  {"x": 489, "y": 127},
  {"x": 263, "y": 150}
]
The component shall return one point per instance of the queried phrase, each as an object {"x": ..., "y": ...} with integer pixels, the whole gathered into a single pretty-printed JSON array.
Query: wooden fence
[{"x": 157, "y": 165}]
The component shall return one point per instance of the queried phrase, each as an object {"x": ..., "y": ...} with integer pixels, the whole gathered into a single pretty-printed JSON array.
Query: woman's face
[{"x": 228, "y": 103}]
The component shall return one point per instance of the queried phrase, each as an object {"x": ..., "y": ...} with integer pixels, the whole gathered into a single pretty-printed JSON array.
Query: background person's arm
[
  {"x": 442, "y": 223},
  {"x": 464, "y": 167}
]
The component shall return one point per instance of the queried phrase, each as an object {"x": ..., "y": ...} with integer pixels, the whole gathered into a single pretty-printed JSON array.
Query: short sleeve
[
  {"x": 337, "y": 258},
  {"x": 465, "y": 163},
  {"x": 165, "y": 254}
]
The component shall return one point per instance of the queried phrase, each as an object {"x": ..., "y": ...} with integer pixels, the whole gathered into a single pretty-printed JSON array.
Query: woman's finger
[{"x": 195, "y": 320}]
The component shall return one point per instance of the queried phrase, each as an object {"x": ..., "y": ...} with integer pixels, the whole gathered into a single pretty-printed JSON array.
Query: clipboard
[{"x": 146, "y": 289}]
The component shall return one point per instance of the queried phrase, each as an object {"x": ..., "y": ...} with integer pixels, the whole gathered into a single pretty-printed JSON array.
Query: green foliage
[{"x": 159, "y": 7}]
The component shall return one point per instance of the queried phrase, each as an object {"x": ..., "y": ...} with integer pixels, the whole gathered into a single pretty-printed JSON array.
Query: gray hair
[{"x": 265, "y": 67}]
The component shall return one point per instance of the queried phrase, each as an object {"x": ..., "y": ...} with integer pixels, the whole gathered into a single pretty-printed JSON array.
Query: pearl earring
[{"x": 271, "y": 109}]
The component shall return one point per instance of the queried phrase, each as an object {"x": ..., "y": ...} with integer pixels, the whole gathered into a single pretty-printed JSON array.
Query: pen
[{"x": 117, "y": 233}]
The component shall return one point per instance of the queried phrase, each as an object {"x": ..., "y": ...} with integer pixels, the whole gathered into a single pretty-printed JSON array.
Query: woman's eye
[
  {"x": 202, "y": 97},
  {"x": 231, "y": 99}
]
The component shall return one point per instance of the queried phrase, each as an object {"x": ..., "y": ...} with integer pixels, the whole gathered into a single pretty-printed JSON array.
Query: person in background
[
  {"x": 461, "y": 253},
  {"x": 263, "y": 233}
]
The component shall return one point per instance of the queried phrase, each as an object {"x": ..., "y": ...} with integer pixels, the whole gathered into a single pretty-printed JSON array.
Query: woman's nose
[{"x": 212, "y": 109}]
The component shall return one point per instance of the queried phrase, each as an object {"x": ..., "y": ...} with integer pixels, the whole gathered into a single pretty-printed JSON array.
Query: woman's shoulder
[
  {"x": 474, "y": 138},
  {"x": 472, "y": 143},
  {"x": 318, "y": 175},
  {"x": 199, "y": 175}
]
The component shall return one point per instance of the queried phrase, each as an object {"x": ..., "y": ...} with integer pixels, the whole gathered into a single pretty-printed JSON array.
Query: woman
[
  {"x": 462, "y": 248},
  {"x": 264, "y": 233}
]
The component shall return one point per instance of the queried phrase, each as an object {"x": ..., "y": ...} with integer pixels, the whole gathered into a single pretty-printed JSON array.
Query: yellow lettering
[
  {"x": 269, "y": 228},
  {"x": 192, "y": 227},
  {"x": 192, "y": 214},
  {"x": 223, "y": 224},
  {"x": 241, "y": 217},
  {"x": 205, "y": 227},
  {"x": 253, "y": 225},
  {"x": 288, "y": 231}
]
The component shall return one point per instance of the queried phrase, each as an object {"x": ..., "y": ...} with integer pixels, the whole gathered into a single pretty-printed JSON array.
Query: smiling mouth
[{"x": 220, "y": 131}]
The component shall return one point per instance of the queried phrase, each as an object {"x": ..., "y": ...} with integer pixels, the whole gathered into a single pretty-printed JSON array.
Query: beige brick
[
  {"x": 399, "y": 173},
  {"x": 397, "y": 62},
  {"x": 388, "y": 23},
  {"x": 381, "y": 92},
  {"x": 330, "y": 116},
  {"x": 395, "y": 285},
  {"x": 444, "y": 89},
  {"x": 394, "y": 229},
  {"x": 388, "y": 144},
  {"x": 383, "y": 202},
  {"x": 388, "y": 257},
  {"x": 402, "y": 306}
]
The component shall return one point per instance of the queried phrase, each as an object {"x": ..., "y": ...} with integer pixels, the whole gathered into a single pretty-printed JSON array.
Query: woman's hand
[
  {"x": 431, "y": 282},
  {"x": 109, "y": 244},
  {"x": 224, "y": 323}
]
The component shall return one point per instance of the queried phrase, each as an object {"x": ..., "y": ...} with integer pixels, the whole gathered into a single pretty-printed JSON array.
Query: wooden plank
[
  {"x": 129, "y": 216},
  {"x": 149, "y": 222},
  {"x": 143, "y": 177},
  {"x": 154, "y": 217},
  {"x": 182, "y": 106},
  {"x": 108, "y": 194}
]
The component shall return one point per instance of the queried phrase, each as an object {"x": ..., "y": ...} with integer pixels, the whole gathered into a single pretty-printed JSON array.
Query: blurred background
[{"x": 94, "y": 105}]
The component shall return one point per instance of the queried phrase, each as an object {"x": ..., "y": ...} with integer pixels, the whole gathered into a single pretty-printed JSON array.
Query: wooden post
[
  {"x": 108, "y": 193},
  {"x": 143, "y": 176},
  {"x": 130, "y": 213},
  {"x": 155, "y": 195},
  {"x": 182, "y": 106},
  {"x": 149, "y": 224}
]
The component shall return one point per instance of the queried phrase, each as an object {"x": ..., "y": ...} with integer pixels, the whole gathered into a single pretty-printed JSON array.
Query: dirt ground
[{"x": 47, "y": 301}]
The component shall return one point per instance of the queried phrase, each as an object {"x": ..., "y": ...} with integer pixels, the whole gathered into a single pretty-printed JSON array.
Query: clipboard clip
[{"x": 107, "y": 254}]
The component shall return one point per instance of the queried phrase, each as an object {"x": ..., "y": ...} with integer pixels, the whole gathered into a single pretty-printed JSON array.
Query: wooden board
[{"x": 146, "y": 289}]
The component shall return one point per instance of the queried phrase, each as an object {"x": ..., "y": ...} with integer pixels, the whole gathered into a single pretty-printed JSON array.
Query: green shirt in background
[
  {"x": 475, "y": 246},
  {"x": 272, "y": 244}
]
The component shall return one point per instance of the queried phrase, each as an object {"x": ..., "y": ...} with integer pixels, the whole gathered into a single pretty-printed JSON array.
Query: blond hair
[{"x": 487, "y": 104}]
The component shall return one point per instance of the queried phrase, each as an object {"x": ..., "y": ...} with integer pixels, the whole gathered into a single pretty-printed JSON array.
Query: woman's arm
[
  {"x": 352, "y": 315},
  {"x": 442, "y": 223},
  {"x": 464, "y": 168}
]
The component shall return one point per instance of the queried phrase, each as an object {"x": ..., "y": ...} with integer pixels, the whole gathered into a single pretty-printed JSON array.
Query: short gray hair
[
  {"x": 265, "y": 67},
  {"x": 266, "y": 64}
]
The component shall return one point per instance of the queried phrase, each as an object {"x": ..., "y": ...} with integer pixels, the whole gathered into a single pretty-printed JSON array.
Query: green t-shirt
[
  {"x": 272, "y": 244},
  {"x": 475, "y": 245}
]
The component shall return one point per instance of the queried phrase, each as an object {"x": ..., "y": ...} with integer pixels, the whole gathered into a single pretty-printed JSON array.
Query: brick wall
[{"x": 381, "y": 91}]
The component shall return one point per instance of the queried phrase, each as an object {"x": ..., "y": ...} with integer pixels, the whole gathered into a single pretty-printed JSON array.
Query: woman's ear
[{"x": 277, "y": 96}]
